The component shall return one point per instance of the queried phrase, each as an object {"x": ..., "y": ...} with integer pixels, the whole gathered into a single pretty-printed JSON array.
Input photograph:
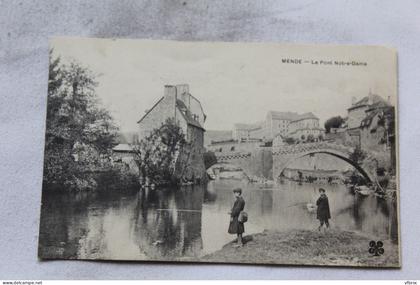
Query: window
[{"x": 232, "y": 148}]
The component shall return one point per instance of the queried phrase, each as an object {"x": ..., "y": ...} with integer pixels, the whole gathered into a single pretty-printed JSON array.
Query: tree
[
  {"x": 310, "y": 138},
  {"x": 79, "y": 132},
  {"x": 333, "y": 122},
  {"x": 156, "y": 155}
]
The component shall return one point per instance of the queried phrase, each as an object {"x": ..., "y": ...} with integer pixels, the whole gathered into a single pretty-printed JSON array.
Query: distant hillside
[{"x": 213, "y": 135}]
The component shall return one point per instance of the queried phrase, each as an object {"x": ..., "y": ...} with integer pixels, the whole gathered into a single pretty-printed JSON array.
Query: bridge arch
[{"x": 284, "y": 157}]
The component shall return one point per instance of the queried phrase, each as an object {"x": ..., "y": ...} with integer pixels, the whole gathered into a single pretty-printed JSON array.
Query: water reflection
[{"x": 186, "y": 223}]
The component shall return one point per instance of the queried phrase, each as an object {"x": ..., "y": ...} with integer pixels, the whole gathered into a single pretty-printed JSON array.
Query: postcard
[{"x": 217, "y": 152}]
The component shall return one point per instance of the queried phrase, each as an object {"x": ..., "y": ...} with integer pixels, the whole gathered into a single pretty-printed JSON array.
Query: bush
[
  {"x": 334, "y": 122},
  {"x": 310, "y": 138},
  {"x": 358, "y": 155}
]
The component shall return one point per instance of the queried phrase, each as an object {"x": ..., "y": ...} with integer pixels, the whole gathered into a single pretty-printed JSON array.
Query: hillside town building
[{"x": 285, "y": 124}]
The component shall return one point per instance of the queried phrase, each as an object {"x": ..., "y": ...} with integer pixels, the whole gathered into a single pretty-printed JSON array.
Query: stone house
[
  {"x": 305, "y": 125},
  {"x": 178, "y": 104},
  {"x": 278, "y": 123},
  {"x": 358, "y": 113},
  {"x": 377, "y": 130}
]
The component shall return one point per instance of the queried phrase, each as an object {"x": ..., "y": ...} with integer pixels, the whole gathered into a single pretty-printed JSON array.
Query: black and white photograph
[{"x": 218, "y": 152}]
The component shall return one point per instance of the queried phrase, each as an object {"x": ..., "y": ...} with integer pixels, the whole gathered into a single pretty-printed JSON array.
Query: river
[{"x": 186, "y": 223}]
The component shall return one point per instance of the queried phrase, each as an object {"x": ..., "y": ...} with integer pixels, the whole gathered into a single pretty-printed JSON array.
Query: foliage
[
  {"x": 358, "y": 155},
  {"x": 79, "y": 133},
  {"x": 334, "y": 122},
  {"x": 387, "y": 120},
  {"x": 156, "y": 155},
  {"x": 310, "y": 138},
  {"x": 209, "y": 159}
]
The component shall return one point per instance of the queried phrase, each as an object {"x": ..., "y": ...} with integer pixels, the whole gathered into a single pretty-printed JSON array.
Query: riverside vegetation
[{"x": 80, "y": 133}]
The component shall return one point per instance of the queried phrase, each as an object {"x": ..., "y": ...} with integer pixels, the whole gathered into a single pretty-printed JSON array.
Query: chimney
[
  {"x": 183, "y": 91},
  {"x": 182, "y": 88},
  {"x": 170, "y": 91}
]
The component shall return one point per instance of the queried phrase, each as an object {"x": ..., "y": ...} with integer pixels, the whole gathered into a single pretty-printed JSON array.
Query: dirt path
[{"x": 334, "y": 248}]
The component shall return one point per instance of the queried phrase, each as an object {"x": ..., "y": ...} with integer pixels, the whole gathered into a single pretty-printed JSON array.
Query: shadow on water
[{"x": 188, "y": 222}]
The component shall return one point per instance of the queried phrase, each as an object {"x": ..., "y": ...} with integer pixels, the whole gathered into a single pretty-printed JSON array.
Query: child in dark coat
[
  {"x": 323, "y": 210},
  {"x": 236, "y": 227}
]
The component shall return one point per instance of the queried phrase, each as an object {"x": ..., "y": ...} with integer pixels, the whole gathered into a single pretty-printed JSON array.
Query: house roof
[
  {"x": 368, "y": 119},
  {"x": 305, "y": 116},
  {"x": 148, "y": 111},
  {"x": 378, "y": 105},
  {"x": 180, "y": 105},
  {"x": 375, "y": 109},
  {"x": 291, "y": 116},
  {"x": 199, "y": 103},
  {"x": 123, "y": 147},
  {"x": 183, "y": 109},
  {"x": 283, "y": 115},
  {"x": 367, "y": 100}
]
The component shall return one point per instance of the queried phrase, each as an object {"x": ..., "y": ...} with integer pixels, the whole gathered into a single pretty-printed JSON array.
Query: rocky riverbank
[{"x": 332, "y": 248}]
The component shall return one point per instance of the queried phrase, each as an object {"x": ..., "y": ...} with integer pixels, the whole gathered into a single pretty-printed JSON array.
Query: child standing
[
  {"x": 323, "y": 210},
  {"x": 236, "y": 227}
]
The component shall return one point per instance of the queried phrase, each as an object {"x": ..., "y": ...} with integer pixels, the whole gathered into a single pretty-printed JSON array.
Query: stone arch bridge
[{"x": 271, "y": 163}]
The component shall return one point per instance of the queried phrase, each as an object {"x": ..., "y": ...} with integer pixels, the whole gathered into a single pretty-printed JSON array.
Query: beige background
[{"x": 235, "y": 82}]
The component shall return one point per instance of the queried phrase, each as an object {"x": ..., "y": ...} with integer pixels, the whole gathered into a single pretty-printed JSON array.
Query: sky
[{"x": 235, "y": 82}]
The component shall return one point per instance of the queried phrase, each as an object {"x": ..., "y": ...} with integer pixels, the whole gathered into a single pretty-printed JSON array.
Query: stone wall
[
  {"x": 190, "y": 163},
  {"x": 306, "y": 132},
  {"x": 229, "y": 147},
  {"x": 370, "y": 137},
  {"x": 262, "y": 162},
  {"x": 355, "y": 116}
]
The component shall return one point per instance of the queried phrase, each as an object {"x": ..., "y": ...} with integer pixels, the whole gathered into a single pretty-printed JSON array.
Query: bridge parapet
[
  {"x": 307, "y": 147},
  {"x": 232, "y": 156}
]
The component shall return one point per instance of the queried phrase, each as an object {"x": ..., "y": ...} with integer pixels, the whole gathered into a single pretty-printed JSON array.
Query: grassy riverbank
[{"x": 334, "y": 248}]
